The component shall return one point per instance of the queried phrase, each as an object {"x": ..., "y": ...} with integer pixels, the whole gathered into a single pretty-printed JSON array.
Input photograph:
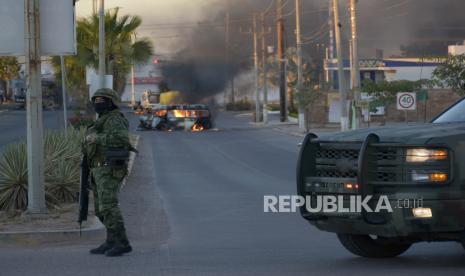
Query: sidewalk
[{"x": 292, "y": 127}]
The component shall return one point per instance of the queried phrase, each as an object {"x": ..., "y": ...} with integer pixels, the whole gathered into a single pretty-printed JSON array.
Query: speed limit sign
[{"x": 406, "y": 101}]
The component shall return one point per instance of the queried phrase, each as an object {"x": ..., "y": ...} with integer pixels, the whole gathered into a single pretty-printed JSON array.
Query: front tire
[{"x": 369, "y": 247}]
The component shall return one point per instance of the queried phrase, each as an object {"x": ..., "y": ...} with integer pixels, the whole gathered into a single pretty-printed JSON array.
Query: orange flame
[{"x": 197, "y": 128}]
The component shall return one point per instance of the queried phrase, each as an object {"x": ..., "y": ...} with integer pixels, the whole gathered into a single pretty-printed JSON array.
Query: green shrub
[
  {"x": 61, "y": 158},
  {"x": 274, "y": 107},
  {"x": 13, "y": 178},
  {"x": 241, "y": 105},
  {"x": 63, "y": 181}
]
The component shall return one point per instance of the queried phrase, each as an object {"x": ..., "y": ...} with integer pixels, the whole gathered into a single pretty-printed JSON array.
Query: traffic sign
[
  {"x": 57, "y": 28},
  {"x": 406, "y": 101}
]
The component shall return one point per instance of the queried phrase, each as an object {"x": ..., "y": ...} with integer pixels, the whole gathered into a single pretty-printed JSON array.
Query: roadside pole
[
  {"x": 254, "y": 33},
  {"x": 298, "y": 5},
  {"x": 101, "y": 64},
  {"x": 229, "y": 76},
  {"x": 63, "y": 90},
  {"x": 355, "y": 65},
  {"x": 35, "y": 144},
  {"x": 94, "y": 7},
  {"x": 330, "y": 53},
  {"x": 133, "y": 88},
  {"x": 340, "y": 65},
  {"x": 255, "y": 57},
  {"x": 281, "y": 60},
  {"x": 265, "y": 69}
]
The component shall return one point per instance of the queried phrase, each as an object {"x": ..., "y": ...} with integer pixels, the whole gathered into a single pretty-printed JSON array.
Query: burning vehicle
[
  {"x": 417, "y": 168},
  {"x": 177, "y": 117}
]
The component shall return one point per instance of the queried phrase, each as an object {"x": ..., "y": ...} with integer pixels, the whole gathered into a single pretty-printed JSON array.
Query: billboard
[{"x": 57, "y": 24}]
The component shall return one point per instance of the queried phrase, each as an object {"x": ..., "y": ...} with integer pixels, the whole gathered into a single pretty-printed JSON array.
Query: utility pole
[
  {"x": 255, "y": 57},
  {"x": 35, "y": 144},
  {"x": 356, "y": 122},
  {"x": 63, "y": 91},
  {"x": 351, "y": 65},
  {"x": 330, "y": 53},
  {"x": 133, "y": 81},
  {"x": 228, "y": 56},
  {"x": 254, "y": 34},
  {"x": 340, "y": 65},
  {"x": 281, "y": 60},
  {"x": 133, "y": 87},
  {"x": 94, "y": 7},
  {"x": 298, "y": 6},
  {"x": 101, "y": 64},
  {"x": 264, "y": 32}
]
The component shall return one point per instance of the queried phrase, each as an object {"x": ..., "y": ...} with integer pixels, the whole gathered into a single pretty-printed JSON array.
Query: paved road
[
  {"x": 193, "y": 206},
  {"x": 13, "y": 125}
]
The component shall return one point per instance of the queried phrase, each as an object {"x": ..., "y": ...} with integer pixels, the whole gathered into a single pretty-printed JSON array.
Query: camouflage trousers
[{"x": 106, "y": 184}]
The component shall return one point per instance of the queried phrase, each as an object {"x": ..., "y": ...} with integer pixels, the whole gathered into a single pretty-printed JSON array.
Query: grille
[
  {"x": 387, "y": 154},
  {"x": 335, "y": 161},
  {"x": 386, "y": 176},
  {"x": 388, "y": 161},
  {"x": 337, "y": 154},
  {"x": 337, "y": 174}
]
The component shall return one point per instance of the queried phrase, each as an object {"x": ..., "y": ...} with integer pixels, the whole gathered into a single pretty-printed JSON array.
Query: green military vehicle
[{"x": 419, "y": 169}]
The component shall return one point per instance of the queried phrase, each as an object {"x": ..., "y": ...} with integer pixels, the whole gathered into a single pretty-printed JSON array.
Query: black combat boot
[
  {"x": 122, "y": 245},
  {"x": 118, "y": 249},
  {"x": 104, "y": 247}
]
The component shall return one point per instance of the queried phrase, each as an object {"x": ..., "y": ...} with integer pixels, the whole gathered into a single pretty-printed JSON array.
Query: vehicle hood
[{"x": 411, "y": 134}]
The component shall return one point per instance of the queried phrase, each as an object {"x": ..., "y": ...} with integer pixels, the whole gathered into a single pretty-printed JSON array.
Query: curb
[
  {"x": 292, "y": 133},
  {"x": 95, "y": 229}
]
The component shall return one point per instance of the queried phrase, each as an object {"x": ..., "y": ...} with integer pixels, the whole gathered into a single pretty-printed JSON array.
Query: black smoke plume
[{"x": 412, "y": 28}]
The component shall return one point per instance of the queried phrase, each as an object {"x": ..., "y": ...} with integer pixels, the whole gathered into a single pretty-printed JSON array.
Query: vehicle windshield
[{"x": 453, "y": 115}]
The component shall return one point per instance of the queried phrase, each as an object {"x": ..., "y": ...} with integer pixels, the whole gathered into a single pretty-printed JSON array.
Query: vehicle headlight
[{"x": 425, "y": 155}]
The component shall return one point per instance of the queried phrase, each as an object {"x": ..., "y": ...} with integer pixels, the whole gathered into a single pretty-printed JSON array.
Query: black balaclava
[{"x": 102, "y": 105}]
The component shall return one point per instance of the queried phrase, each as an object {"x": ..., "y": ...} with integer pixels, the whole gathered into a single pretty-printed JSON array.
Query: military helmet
[{"x": 107, "y": 93}]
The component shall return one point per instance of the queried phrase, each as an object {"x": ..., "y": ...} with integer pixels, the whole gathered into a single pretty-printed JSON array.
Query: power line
[
  {"x": 396, "y": 5},
  {"x": 316, "y": 37},
  {"x": 322, "y": 28},
  {"x": 269, "y": 7},
  {"x": 290, "y": 13}
]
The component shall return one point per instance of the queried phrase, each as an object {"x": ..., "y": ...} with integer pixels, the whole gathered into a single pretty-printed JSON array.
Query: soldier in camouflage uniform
[{"x": 107, "y": 136}]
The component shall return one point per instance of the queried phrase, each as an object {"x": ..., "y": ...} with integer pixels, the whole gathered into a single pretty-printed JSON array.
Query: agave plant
[
  {"x": 13, "y": 178},
  {"x": 61, "y": 158},
  {"x": 63, "y": 181},
  {"x": 62, "y": 154}
]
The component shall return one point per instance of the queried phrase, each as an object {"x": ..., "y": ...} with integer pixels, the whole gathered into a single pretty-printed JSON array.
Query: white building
[{"x": 146, "y": 77}]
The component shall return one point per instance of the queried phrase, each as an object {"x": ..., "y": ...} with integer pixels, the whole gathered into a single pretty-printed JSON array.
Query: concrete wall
[
  {"x": 409, "y": 73},
  {"x": 438, "y": 101}
]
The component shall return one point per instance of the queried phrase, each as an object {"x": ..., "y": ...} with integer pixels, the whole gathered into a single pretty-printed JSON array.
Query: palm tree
[{"x": 122, "y": 48}]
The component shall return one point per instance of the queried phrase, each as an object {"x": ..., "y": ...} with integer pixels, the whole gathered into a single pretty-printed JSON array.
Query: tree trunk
[
  {"x": 290, "y": 93},
  {"x": 4, "y": 87}
]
